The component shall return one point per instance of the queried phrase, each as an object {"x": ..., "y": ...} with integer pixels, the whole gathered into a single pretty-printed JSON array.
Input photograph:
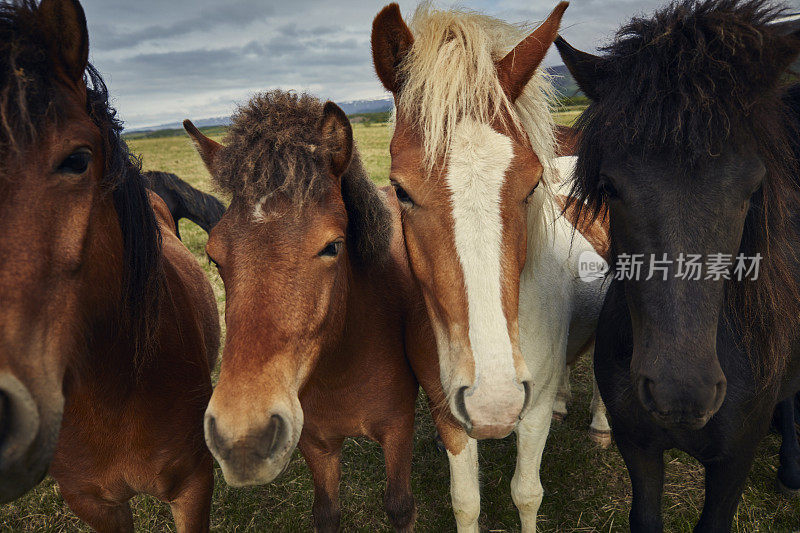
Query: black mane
[
  {"x": 28, "y": 94},
  {"x": 140, "y": 233},
  {"x": 695, "y": 77}
]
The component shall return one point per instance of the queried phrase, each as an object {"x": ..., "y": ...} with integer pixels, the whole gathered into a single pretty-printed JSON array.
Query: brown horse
[
  {"x": 322, "y": 314},
  {"x": 101, "y": 377}
]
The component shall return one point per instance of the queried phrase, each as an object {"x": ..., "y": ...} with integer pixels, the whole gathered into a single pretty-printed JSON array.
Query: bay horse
[
  {"x": 688, "y": 142},
  {"x": 108, "y": 326},
  {"x": 474, "y": 167},
  {"x": 184, "y": 201},
  {"x": 317, "y": 350}
]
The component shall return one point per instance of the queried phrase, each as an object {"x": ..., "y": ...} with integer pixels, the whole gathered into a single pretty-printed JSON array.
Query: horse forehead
[{"x": 479, "y": 158}]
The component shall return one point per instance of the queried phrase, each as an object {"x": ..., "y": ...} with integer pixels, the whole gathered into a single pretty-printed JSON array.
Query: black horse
[
  {"x": 184, "y": 201},
  {"x": 688, "y": 142}
]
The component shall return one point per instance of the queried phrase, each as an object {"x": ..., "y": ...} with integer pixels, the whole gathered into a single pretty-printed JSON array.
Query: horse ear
[
  {"x": 516, "y": 69},
  {"x": 64, "y": 28},
  {"x": 585, "y": 68},
  {"x": 784, "y": 49},
  {"x": 207, "y": 148},
  {"x": 338, "y": 137},
  {"x": 391, "y": 41}
]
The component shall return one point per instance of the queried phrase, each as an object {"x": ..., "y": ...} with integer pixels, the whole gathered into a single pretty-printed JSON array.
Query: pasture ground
[{"x": 586, "y": 488}]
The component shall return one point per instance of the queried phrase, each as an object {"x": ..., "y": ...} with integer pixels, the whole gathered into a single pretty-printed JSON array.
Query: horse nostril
[
  {"x": 646, "y": 394},
  {"x": 719, "y": 395},
  {"x": 274, "y": 435},
  {"x": 528, "y": 388},
  {"x": 5, "y": 418},
  {"x": 213, "y": 439},
  {"x": 461, "y": 407}
]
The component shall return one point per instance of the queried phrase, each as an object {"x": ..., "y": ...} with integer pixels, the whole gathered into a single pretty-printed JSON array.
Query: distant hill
[
  {"x": 200, "y": 123},
  {"x": 377, "y": 105},
  {"x": 562, "y": 80},
  {"x": 354, "y": 107}
]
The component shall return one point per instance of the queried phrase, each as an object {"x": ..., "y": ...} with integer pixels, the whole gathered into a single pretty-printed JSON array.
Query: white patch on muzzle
[{"x": 479, "y": 159}]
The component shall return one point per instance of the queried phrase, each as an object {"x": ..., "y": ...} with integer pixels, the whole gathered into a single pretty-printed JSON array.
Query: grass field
[{"x": 586, "y": 488}]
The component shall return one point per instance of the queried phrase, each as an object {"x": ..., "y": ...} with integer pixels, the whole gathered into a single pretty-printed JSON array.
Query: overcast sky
[{"x": 166, "y": 60}]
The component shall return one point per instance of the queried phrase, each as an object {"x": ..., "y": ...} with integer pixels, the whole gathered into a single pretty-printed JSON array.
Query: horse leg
[
  {"x": 526, "y": 486},
  {"x": 398, "y": 501},
  {"x": 724, "y": 485},
  {"x": 324, "y": 461},
  {"x": 464, "y": 489},
  {"x": 191, "y": 510},
  {"x": 599, "y": 429},
  {"x": 788, "y": 480},
  {"x": 563, "y": 397},
  {"x": 646, "y": 470},
  {"x": 101, "y": 515},
  {"x": 462, "y": 454}
]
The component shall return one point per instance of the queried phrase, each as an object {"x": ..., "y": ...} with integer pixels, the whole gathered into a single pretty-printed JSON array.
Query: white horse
[{"x": 474, "y": 169}]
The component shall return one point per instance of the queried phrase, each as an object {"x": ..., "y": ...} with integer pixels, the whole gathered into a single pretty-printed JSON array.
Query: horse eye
[
  {"x": 402, "y": 196},
  {"x": 76, "y": 163},
  {"x": 606, "y": 188},
  {"x": 332, "y": 249}
]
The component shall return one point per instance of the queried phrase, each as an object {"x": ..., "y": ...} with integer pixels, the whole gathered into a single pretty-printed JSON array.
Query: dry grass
[{"x": 586, "y": 488}]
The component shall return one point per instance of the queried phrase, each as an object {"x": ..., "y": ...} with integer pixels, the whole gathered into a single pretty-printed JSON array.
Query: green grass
[{"x": 586, "y": 488}]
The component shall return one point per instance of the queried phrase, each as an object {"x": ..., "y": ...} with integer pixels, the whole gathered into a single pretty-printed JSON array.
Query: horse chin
[
  {"x": 490, "y": 431},
  {"x": 257, "y": 474},
  {"x": 681, "y": 421}
]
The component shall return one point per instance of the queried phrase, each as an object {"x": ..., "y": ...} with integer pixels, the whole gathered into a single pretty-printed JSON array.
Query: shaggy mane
[
  {"x": 449, "y": 75},
  {"x": 695, "y": 77},
  {"x": 275, "y": 146}
]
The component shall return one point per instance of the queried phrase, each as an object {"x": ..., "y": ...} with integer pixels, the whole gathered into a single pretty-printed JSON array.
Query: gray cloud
[
  {"x": 239, "y": 14},
  {"x": 165, "y": 61}
]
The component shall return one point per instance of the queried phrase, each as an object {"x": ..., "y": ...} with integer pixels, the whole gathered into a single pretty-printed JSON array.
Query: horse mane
[
  {"x": 450, "y": 75},
  {"x": 30, "y": 99},
  {"x": 275, "y": 146},
  {"x": 141, "y": 236},
  {"x": 695, "y": 77}
]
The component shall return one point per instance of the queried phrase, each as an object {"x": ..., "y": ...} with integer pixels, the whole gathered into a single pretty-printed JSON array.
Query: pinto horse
[
  {"x": 688, "y": 142},
  {"x": 319, "y": 349},
  {"x": 474, "y": 167},
  {"x": 108, "y": 326}
]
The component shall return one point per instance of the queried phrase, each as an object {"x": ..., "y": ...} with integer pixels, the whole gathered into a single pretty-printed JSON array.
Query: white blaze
[{"x": 479, "y": 159}]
